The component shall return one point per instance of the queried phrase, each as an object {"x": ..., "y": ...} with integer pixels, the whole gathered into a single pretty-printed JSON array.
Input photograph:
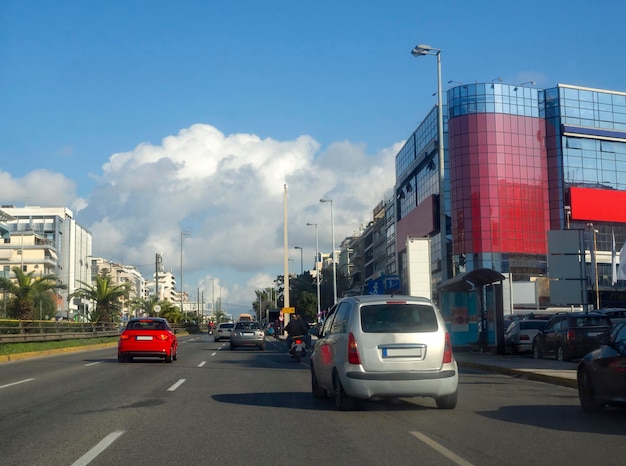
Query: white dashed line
[
  {"x": 176, "y": 385},
  {"x": 202, "y": 364},
  {"x": 441, "y": 449},
  {"x": 15, "y": 383},
  {"x": 213, "y": 354},
  {"x": 92, "y": 363},
  {"x": 99, "y": 448}
]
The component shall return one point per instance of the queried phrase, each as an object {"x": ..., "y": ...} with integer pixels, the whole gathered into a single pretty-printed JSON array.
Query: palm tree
[
  {"x": 26, "y": 288},
  {"x": 106, "y": 296}
]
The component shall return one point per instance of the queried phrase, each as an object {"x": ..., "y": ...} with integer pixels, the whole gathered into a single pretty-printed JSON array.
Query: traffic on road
[{"x": 86, "y": 408}]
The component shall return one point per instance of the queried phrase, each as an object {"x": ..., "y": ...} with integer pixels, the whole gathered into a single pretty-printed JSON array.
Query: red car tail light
[
  {"x": 524, "y": 337},
  {"x": 618, "y": 366},
  {"x": 298, "y": 341},
  {"x": 163, "y": 336},
  {"x": 353, "y": 350},
  {"x": 447, "y": 351},
  {"x": 571, "y": 335},
  {"x": 123, "y": 336}
]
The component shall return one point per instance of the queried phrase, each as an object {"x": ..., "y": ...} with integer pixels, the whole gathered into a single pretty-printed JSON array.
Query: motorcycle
[{"x": 298, "y": 348}]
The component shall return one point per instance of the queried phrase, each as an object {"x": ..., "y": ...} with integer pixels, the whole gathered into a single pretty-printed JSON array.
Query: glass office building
[{"x": 519, "y": 161}]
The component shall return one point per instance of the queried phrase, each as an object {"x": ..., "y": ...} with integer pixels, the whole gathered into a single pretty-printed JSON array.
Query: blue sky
[{"x": 150, "y": 117}]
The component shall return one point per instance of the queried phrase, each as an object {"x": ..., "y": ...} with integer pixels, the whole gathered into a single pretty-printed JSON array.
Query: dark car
[
  {"x": 616, "y": 315},
  {"x": 571, "y": 335},
  {"x": 601, "y": 374}
]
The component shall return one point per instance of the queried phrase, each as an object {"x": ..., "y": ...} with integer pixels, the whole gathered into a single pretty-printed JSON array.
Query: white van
[{"x": 382, "y": 346}]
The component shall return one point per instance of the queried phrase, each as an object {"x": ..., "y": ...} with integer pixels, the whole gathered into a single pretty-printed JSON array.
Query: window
[
  {"x": 406, "y": 318},
  {"x": 340, "y": 323}
]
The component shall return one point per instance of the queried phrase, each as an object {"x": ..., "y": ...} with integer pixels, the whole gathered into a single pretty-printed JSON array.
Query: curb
[
  {"x": 521, "y": 374},
  {"x": 52, "y": 352}
]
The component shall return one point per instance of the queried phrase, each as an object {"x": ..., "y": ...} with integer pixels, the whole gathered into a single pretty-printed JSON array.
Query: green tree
[
  {"x": 29, "y": 293},
  {"x": 106, "y": 296}
]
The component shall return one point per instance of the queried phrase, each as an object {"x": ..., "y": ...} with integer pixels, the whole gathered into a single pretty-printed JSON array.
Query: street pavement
[{"x": 526, "y": 367}]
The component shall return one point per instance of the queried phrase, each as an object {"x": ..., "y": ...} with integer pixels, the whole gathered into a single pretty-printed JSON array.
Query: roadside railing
[{"x": 14, "y": 331}]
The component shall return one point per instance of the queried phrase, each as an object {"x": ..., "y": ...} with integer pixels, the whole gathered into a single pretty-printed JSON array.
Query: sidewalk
[{"x": 542, "y": 370}]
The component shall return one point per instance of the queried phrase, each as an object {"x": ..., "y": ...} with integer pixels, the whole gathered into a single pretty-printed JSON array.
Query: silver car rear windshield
[{"x": 398, "y": 318}]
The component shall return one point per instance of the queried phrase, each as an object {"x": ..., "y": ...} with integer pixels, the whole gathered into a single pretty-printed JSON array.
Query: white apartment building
[{"x": 47, "y": 240}]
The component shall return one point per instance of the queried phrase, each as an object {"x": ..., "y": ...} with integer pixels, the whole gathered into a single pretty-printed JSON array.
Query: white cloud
[
  {"x": 39, "y": 187},
  {"x": 227, "y": 190}
]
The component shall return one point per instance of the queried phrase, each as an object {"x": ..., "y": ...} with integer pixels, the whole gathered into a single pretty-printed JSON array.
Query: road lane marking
[
  {"x": 16, "y": 383},
  {"x": 213, "y": 354},
  {"x": 202, "y": 364},
  {"x": 92, "y": 363},
  {"x": 99, "y": 448},
  {"x": 441, "y": 449},
  {"x": 176, "y": 385}
]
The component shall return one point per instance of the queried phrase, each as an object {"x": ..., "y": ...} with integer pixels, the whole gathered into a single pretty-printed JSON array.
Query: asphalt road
[{"x": 248, "y": 407}]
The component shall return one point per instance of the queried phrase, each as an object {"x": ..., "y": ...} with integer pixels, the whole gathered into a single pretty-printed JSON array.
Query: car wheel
[
  {"x": 447, "y": 401},
  {"x": 318, "y": 392},
  {"x": 121, "y": 357},
  {"x": 232, "y": 347},
  {"x": 216, "y": 339},
  {"x": 175, "y": 356},
  {"x": 168, "y": 357},
  {"x": 262, "y": 347},
  {"x": 560, "y": 354},
  {"x": 537, "y": 353},
  {"x": 514, "y": 349},
  {"x": 343, "y": 402},
  {"x": 586, "y": 392}
]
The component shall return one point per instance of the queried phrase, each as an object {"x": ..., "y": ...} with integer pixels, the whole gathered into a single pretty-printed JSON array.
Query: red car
[{"x": 147, "y": 337}]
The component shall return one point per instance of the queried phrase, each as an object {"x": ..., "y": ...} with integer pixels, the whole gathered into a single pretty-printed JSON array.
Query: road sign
[
  {"x": 289, "y": 310},
  {"x": 392, "y": 282}
]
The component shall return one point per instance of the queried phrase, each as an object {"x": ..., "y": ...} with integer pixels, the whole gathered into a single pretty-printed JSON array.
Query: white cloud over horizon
[{"x": 228, "y": 192}]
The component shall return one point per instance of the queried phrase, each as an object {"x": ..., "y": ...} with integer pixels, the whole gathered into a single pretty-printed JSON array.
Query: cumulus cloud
[
  {"x": 39, "y": 187},
  {"x": 228, "y": 192}
]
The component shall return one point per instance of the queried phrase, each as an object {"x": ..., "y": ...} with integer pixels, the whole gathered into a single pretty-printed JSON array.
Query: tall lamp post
[
  {"x": 317, "y": 271},
  {"x": 332, "y": 232},
  {"x": 418, "y": 51},
  {"x": 182, "y": 236},
  {"x": 301, "y": 266},
  {"x": 594, "y": 263}
]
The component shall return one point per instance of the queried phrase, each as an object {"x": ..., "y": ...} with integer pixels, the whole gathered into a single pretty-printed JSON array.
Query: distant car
[
  {"x": 247, "y": 333},
  {"x": 571, "y": 335},
  {"x": 601, "y": 374},
  {"x": 223, "y": 330},
  {"x": 519, "y": 335},
  {"x": 147, "y": 337},
  {"x": 381, "y": 346},
  {"x": 616, "y": 315}
]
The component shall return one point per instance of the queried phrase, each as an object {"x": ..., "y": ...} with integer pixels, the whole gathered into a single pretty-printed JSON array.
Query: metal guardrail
[{"x": 19, "y": 331}]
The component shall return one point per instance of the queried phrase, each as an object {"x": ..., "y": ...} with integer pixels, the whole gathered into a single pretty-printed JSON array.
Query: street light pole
[
  {"x": 301, "y": 265},
  {"x": 182, "y": 236},
  {"x": 332, "y": 230},
  {"x": 317, "y": 271},
  {"x": 418, "y": 51}
]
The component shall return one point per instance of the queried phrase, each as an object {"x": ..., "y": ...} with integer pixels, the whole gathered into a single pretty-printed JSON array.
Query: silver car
[
  {"x": 223, "y": 330},
  {"x": 247, "y": 333},
  {"x": 381, "y": 346},
  {"x": 519, "y": 336}
]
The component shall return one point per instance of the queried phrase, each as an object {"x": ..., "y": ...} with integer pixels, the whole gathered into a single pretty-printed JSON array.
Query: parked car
[
  {"x": 616, "y": 315},
  {"x": 147, "y": 337},
  {"x": 223, "y": 330},
  {"x": 571, "y": 335},
  {"x": 519, "y": 335},
  {"x": 380, "y": 346},
  {"x": 601, "y": 374},
  {"x": 247, "y": 333}
]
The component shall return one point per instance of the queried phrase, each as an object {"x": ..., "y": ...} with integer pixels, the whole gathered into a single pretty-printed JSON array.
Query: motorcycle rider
[{"x": 297, "y": 327}]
